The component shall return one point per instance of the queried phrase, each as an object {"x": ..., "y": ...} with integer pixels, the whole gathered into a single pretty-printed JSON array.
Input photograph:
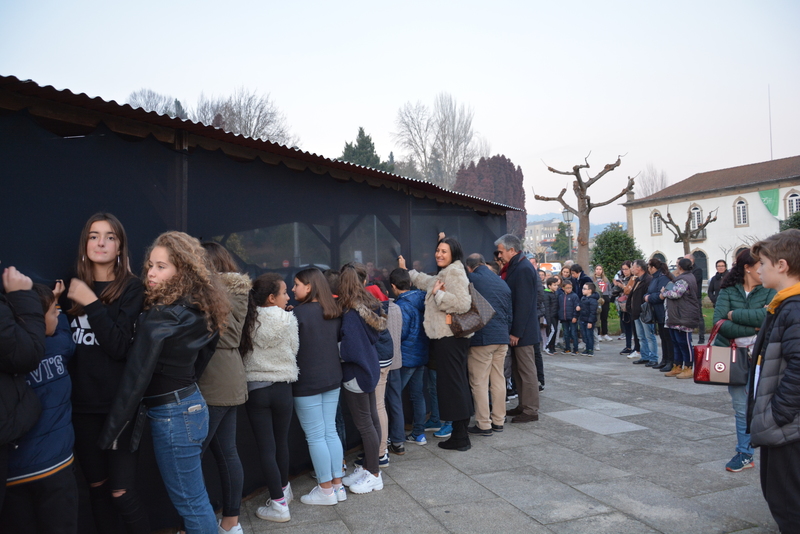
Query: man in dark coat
[
  {"x": 22, "y": 332},
  {"x": 522, "y": 279},
  {"x": 645, "y": 331},
  {"x": 488, "y": 348},
  {"x": 698, "y": 276}
]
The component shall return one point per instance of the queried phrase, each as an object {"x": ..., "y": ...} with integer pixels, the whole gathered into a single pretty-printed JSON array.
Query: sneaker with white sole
[
  {"x": 445, "y": 431},
  {"x": 341, "y": 494},
  {"x": 368, "y": 483},
  {"x": 431, "y": 426},
  {"x": 316, "y": 496},
  {"x": 236, "y": 529},
  {"x": 739, "y": 462},
  {"x": 419, "y": 440},
  {"x": 353, "y": 477},
  {"x": 634, "y": 355},
  {"x": 288, "y": 494},
  {"x": 273, "y": 511}
]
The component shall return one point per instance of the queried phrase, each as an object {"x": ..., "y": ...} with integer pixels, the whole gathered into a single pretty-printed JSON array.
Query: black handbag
[{"x": 647, "y": 315}]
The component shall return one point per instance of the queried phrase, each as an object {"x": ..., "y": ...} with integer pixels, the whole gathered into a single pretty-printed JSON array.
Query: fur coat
[
  {"x": 275, "y": 344},
  {"x": 454, "y": 298}
]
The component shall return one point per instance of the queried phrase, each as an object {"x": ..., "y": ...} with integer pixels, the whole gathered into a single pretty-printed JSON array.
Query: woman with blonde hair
[{"x": 185, "y": 309}]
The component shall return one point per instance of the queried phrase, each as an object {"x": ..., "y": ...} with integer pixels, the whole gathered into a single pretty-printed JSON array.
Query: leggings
[
  {"x": 603, "y": 331},
  {"x": 270, "y": 412},
  {"x": 364, "y": 411}
]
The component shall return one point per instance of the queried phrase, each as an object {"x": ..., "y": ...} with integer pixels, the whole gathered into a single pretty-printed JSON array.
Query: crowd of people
[{"x": 182, "y": 347}]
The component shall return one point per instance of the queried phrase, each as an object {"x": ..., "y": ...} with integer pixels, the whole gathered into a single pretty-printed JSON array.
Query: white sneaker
[
  {"x": 316, "y": 496},
  {"x": 368, "y": 483},
  {"x": 608, "y": 338},
  {"x": 274, "y": 512},
  {"x": 634, "y": 355},
  {"x": 621, "y": 337},
  {"x": 341, "y": 494},
  {"x": 288, "y": 494},
  {"x": 237, "y": 529},
  {"x": 355, "y": 476}
]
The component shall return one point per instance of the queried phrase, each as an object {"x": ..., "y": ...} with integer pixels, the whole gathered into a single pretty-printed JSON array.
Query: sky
[{"x": 687, "y": 86}]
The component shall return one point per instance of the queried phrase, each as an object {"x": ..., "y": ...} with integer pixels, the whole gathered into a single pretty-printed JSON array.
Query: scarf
[{"x": 782, "y": 295}]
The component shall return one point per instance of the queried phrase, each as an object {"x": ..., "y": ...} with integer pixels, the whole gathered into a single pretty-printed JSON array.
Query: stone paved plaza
[{"x": 618, "y": 448}]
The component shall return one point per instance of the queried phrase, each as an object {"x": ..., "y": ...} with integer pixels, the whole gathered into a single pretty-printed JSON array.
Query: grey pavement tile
[
  {"x": 515, "y": 435},
  {"x": 547, "y": 404},
  {"x": 661, "y": 509},
  {"x": 675, "y": 426},
  {"x": 433, "y": 482},
  {"x": 596, "y": 422},
  {"x": 749, "y": 501},
  {"x": 484, "y": 456},
  {"x": 493, "y": 515},
  {"x": 390, "y": 510},
  {"x": 607, "y": 407},
  {"x": 329, "y": 527},
  {"x": 540, "y": 496},
  {"x": 585, "y": 441},
  {"x": 565, "y": 465},
  {"x": 688, "y": 413},
  {"x": 727, "y": 422},
  {"x": 612, "y": 523}
]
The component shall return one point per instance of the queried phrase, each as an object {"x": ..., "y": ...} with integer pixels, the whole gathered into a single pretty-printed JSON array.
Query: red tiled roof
[
  {"x": 30, "y": 88},
  {"x": 753, "y": 174}
]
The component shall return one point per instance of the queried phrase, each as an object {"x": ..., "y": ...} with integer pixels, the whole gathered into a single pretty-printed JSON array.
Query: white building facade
[{"x": 750, "y": 201}]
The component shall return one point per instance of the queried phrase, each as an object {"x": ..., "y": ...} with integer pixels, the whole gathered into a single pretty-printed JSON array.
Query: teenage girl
[
  {"x": 185, "y": 309},
  {"x": 269, "y": 345},
  {"x": 316, "y": 392},
  {"x": 106, "y": 300},
  {"x": 362, "y": 323}
]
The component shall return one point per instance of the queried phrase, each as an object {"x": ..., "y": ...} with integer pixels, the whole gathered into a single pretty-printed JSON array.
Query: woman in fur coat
[
  {"x": 448, "y": 293},
  {"x": 269, "y": 344}
]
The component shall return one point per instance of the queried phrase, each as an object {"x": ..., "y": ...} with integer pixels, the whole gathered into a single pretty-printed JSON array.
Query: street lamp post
[{"x": 568, "y": 216}]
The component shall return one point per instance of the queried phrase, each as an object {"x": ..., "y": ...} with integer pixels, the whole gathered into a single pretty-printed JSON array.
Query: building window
[
  {"x": 696, "y": 217},
  {"x": 740, "y": 209},
  {"x": 655, "y": 223},
  {"x": 793, "y": 204}
]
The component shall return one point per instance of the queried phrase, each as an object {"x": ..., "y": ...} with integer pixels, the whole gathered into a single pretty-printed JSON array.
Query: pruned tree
[
  {"x": 440, "y": 140},
  {"x": 580, "y": 186},
  {"x": 687, "y": 234},
  {"x": 247, "y": 113},
  {"x": 651, "y": 181}
]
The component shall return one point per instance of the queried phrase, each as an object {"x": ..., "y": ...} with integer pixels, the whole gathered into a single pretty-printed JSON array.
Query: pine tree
[{"x": 362, "y": 152}]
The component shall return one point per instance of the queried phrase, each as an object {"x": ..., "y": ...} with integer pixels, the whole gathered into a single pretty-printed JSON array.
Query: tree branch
[
  {"x": 608, "y": 168},
  {"x": 628, "y": 187},
  {"x": 559, "y": 199}
]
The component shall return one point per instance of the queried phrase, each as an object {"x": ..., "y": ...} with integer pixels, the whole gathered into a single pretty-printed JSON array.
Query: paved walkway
[{"x": 618, "y": 448}]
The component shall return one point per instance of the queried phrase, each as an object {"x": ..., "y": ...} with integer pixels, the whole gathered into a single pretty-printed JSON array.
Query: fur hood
[
  {"x": 236, "y": 283},
  {"x": 378, "y": 322}
]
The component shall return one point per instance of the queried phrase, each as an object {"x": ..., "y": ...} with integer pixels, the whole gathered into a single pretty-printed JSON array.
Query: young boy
[
  {"x": 414, "y": 348},
  {"x": 588, "y": 316},
  {"x": 568, "y": 308},
  {"x": 551, "y": 313},
  {"x": 42, "y": 494},
  {"x": 774, "y": 409}
]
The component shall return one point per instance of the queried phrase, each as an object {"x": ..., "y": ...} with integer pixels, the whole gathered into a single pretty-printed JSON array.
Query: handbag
[
  {"x": 480, "y": 312},
  {"x": 622, "y": 303},
  {"x": 722, "y": 366},
  {"x": 647, "y": 315}
]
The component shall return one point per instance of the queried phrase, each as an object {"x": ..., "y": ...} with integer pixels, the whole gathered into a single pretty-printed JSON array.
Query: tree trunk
[
  {"x": 686, "y": 246},
  {"x": 583, "y": 240}
]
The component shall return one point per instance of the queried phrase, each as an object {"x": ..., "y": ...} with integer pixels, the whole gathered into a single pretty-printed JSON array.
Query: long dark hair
[
  {"x": 659, "y": 265},
  {"x": 351, "y": 289},
  {"x": 736, "y": 273},
  {"x": 320, "y": 291},
  {"x": 456, "y": 252},
  {"x": 265, "y": 285},
  {"x": 122, "y": 269}
]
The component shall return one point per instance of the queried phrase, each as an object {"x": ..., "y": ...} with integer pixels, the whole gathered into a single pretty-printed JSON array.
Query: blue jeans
[
  {"x": 588, "y": 336},
  {"x": 739, "y": 403},
  {"x": 179, "y": 429},
  {"x": 394, "y": 406},
  {"x": 412, "y": 377},
  {"x": 317, "y": 415},
  {"x": 570, "y": 334},
  {"x": 433, "y": 396},
  {"x": 647, "y": 340}
]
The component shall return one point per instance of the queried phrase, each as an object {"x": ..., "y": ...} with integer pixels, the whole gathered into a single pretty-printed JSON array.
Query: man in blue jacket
[
  {"x": 488, "y": 348},
  {"x": 523, "y": 281}
]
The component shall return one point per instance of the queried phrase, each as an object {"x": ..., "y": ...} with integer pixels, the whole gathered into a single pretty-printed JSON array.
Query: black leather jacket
[{"x": 166, "y": 336}]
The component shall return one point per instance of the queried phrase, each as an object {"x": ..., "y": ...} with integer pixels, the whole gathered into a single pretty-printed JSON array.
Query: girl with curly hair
[{"x": 185, "y": 309}]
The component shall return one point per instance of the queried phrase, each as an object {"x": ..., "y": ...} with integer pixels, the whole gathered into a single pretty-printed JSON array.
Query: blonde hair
[{"x": 193, "y": 280}]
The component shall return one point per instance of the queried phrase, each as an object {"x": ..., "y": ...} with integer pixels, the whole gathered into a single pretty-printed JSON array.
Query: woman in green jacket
[{"x": 741, "y": 303}]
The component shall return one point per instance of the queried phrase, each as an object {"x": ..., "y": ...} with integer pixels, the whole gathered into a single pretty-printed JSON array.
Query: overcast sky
[{"x": 682, "y": 84}]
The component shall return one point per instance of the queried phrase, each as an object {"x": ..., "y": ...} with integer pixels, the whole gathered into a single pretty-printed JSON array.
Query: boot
[
  {"x": 667, "y": 367},
  {"x": 676, "y": 370},
  {"x": 664, "y": 363},
  {"x": 686, "y": 373},
  {"x": 459, "y": 440}
]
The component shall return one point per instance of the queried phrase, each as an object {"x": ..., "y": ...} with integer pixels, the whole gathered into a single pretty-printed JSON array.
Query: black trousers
[
  {"x": 667, "y": 353},
  {"x": 780, "y": 483},
  {"x": 452, "y": 380},
  {"x": 270, "y": 412},
  {"x": 48, "y": 505},
  {"x": 364, "y": 411}
]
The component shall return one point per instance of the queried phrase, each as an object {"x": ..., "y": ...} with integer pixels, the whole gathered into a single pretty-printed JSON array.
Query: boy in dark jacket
[
  {"x": 41, "y": 486},
  {"x": 588, "y": 316},
  {"x": 551, "y": 313},
  {"x": 568, "y": 308}
]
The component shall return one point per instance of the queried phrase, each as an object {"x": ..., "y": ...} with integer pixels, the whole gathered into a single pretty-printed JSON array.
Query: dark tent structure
[{"x": 66, "y": 156}]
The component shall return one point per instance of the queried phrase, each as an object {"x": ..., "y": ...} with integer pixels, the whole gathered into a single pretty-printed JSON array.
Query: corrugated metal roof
[
  {"x": 30, "y": 88},
  {"x": 754, "y": 174}
]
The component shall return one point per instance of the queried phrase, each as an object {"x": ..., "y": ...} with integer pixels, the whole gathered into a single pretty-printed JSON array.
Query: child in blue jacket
[
  {"x": 568, "y": 308},
  {"x": 588, "y": 316}
]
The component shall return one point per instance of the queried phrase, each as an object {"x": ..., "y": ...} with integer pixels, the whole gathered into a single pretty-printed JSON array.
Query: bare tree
[
  {"x": 149, "y": 100},
  {"x": 686, "y": 234},
  {"x": 727, "y": 250},
  {"x": 246, "y": 113},
  {"x": 580, "y": 187},
  {"x": 440, "y": 141},
  {"x": 651, "y": 181}
]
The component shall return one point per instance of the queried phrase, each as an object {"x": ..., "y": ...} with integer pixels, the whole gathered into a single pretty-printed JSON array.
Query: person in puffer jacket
[
  {"x": 41, "y": 485},
  {"x": 588, "y": 316},
  {"x": 568, "y": 308},
  {"x": 774, "y": 414}
]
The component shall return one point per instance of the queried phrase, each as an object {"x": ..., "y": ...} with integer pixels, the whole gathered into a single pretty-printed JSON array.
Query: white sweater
[{"x": 275, "y": 343}]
